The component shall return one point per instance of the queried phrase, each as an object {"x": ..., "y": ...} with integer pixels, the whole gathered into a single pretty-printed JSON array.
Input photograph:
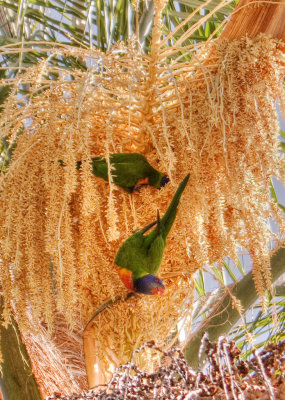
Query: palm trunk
[{"x": 17, "y": 381}]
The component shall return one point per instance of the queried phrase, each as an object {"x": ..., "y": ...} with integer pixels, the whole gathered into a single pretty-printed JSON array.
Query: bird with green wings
[
  {"x": 129, "y": 170},
  {"x": 139, "y": 257}
]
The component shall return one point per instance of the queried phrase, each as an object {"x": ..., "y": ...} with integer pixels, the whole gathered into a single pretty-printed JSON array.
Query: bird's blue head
[
  {"x": 164, "y": 181},
  {"x": 149, "y": 284}
]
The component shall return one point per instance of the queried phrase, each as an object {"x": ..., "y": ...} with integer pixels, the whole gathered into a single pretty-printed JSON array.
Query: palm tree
[{"x": 100, "y": 24}]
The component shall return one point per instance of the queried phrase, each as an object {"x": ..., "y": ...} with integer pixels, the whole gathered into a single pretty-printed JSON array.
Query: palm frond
[
  {"x": 261, "y": 326},
  {"x": 102, "y": 23}
]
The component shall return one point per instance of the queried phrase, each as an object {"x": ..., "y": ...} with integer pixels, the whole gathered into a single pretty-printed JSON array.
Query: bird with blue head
[{"x": 139, "y": 257}]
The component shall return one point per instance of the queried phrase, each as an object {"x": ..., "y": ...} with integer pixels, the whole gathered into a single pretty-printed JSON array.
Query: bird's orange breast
[
  {"x": 126, "y": 277},
  {"x": 143, "y": 181}
]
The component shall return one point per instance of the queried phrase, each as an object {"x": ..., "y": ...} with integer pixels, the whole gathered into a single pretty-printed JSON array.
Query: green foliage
[
  {"x": 262, "y": 326},
  {"x": 214, "y": 313},
  {"x": 102, "y": 23}
]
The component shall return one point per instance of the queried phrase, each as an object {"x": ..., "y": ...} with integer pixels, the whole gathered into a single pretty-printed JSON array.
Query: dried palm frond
[{"x": 227, "y": 376}]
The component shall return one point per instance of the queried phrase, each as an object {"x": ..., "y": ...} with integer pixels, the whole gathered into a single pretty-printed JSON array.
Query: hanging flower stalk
[{"x": 61, "y": 226}]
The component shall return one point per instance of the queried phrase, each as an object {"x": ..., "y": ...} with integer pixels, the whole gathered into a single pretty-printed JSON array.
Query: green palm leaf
[{"x": 102, "y": 23}]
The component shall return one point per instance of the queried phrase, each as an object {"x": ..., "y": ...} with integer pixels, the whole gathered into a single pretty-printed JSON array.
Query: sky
[{"x": 278, "y": 186}]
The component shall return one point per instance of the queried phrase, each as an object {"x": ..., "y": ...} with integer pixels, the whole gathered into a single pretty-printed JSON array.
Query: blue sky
[{"x": 279, "y": 188}]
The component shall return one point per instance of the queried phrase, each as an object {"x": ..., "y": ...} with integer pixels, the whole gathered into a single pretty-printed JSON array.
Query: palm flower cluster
[
  {"x": 227, "y": 376},
  {"x": 60, "y": 227}
]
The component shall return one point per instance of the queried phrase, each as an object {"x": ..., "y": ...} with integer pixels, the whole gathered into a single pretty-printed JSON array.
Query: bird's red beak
[{"x": 158, "y": 290}]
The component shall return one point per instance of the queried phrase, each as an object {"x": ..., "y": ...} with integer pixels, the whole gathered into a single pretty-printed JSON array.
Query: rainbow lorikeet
[
  {"x": 129, "y": 170},
  {"x": 139, "y": 257}
]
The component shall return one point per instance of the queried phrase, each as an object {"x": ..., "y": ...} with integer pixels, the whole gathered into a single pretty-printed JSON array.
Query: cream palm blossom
[{"x": 60, "y": 227}]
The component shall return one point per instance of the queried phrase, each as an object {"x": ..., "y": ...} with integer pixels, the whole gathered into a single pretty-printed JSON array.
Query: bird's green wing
[
  {"x": 127, "y": 168},
  {"x": 134, "y": 166},
  {"x": 127, "y": 157},
  {"x": 155, "y": 255},
  {"x": 132, "y": 255}
]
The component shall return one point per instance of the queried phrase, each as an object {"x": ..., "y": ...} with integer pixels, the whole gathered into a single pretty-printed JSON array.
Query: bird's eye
[{"x": 156, "y": 280}]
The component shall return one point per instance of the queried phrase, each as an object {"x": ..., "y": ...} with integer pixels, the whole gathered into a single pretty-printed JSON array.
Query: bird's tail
[
  {"x": 169, "y": 217},
  {"x": 164, "y": 224},
  {"x": 148, "y": 227}
]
